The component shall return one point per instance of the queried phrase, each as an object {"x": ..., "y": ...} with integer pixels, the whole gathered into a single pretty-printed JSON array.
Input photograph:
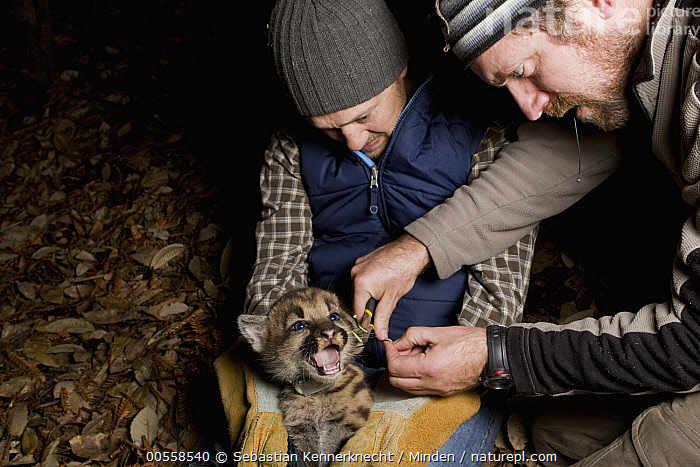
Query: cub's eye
[
  {"x": 299, "y": 325},
  {"x": 334, "y": 316}
]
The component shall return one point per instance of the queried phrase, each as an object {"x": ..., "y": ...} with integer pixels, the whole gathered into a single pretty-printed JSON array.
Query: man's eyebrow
[{"x": 358, "y": 117}]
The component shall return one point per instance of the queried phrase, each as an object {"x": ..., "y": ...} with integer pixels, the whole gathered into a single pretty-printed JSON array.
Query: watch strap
[{"x": 498, "y": 374}]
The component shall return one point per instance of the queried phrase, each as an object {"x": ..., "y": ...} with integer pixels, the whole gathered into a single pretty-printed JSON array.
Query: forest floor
[{"x": 114, "y": 298}]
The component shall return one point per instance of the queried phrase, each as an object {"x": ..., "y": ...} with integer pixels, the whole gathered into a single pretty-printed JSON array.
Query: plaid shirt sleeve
[
  {"x": 497, "y": 287},
  {"x": 283, "y": 235}
]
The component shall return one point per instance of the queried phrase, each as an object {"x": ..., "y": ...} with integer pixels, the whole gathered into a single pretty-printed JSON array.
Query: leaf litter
[{"x": 109, "y": 254}]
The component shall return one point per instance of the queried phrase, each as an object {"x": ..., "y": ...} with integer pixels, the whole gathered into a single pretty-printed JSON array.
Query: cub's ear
[{"x": 252, "y": 327}]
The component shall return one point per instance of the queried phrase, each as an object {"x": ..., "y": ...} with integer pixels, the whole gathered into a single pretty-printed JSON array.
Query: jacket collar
[{"x": 644, "y": 71}]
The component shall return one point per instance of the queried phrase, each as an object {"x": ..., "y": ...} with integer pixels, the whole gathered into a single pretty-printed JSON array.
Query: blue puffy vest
[{"x": 358, "y": 206}]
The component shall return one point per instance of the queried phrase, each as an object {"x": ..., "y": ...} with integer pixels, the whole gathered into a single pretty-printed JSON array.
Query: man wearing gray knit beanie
[
  {"x": 606, "y": 62},
  {"x": 351, "y": 202}
]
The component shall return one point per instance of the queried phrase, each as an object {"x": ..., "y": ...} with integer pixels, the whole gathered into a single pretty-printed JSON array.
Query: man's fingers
[
  {"x": 382, "y": 314},
  {"x": 403, "y": 365},
  {"x": 417, "y": 336},
  {"x": 359, "y": 301},
  {"x": 391, "y": 350}
]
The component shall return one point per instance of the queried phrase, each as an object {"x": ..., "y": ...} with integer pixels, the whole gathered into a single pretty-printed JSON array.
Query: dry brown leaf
[
  {"x": 43, "y": 141},
  {"x": 83, "y": 255},
  {"x": 517, "y": 431},
  {"x": 27, "y": 289},
  {"x": 226, "y": 260},
  {"x": 141, "y": 293},
  {"x": 50, "y": 454},
  {"x": 71, "y": 399},
  {"x": 10, "y": 149},
  {"x": 155, "y": 178},
  {"x": 110, "y": 316},
  {"x": 81, "y": 269},
  {"x": 94, "y": 445},
  {"x": 118, "y": 98},
  {"x": 66, "y": 348},
  {"x": 212, "y": 290},
  {"x": 119, "y": 343},
  {"x": 209, "y": 232},
  {"x": 144, "y": 398},
  {"x": 96, "y": 228},
  {"x": 144, "y": 256},
  {"x": 143, "y": 370},
  {"x": 120, "y": 390},
  {"x": 79, "y": 290},
  {"x": 51, "y": 294},
  {"x": 168, "y": 307},
  {"x": 40, "y": 221},
  {"x": 135, "y": 349},
  {"x": 18, "y": 235},
  {"x": 5, "y": 257},
  {"x": 17, "y": 386},
  {"x": 199, "y": 267},
  {"x": 64, "y": 132},
  {"x": 19, "y": 416},
  {"x": 568, "y": 262},
  {"x": 70, "y": 325},
  {"x": 165, "y": 254},
  {"x": 45, "y": 251},
  {"x": 6, "y": 169},
  {"x": 36, "y": 347},
  {"x": 144, "y": 426},
  {"x": 567, "y": 309},
  {"x": 124, "y": 130},
  {"x": 30, "y": 441},
  {"x": 501, "y": 441},
  {"x": 106, "y": 172},
  {"x": 119, "y": 303},
  {"x": 173, "y": 309}
]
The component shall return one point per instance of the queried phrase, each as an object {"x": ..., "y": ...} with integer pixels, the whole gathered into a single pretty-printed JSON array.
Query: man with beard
[{"x": 585, "y": 57}]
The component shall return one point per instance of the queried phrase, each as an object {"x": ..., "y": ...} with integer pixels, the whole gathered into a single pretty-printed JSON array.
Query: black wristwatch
[{"x": 497, "y": 373}]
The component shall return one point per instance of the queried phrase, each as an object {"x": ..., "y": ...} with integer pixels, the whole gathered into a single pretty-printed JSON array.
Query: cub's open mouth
[{"x": 327, "y": 360}]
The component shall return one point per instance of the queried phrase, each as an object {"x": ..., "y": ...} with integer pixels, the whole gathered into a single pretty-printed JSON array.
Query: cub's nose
[{"x": 328, "y": 334}]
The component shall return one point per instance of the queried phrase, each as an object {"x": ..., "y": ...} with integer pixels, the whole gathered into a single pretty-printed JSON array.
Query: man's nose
[
  {"x": 355, "y": 137},
  {"x": 531, "y": 100}
]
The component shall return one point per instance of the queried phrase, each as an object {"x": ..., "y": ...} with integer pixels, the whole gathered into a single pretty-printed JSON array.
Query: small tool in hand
[{"x": 366, "y": 325}]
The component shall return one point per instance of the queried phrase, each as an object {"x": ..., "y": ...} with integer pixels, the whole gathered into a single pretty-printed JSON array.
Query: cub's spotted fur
[{"x": 306, "y": 343}]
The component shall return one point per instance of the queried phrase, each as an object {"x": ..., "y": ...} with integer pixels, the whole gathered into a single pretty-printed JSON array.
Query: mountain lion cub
[{"x": 307, "y": 342}]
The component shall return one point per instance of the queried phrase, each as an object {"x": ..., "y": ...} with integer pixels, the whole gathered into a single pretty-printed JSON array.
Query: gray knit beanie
[
  {"x": 335, "y": 54},
  {"x": 473, "y": 26}
]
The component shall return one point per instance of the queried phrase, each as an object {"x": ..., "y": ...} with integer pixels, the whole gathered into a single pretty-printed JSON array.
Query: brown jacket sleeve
[{"x": 535, "y": 178}]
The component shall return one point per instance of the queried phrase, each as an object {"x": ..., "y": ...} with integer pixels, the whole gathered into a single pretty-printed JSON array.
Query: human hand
[
  {"x": 439, "y": 361},
  {"x": 387, "y": 274}
]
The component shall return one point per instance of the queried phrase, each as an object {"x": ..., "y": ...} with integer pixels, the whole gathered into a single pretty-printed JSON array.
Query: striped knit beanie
[
  {"x": 335, "y": 54},
  {"x": 473, "y": 26}
]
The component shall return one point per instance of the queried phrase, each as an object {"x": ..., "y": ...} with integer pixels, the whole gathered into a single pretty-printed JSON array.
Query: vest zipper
[
  {"x": 374, "y": 189},
  {"x": 374, "y": 169},
  {"x": 373, "y": 181}
]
